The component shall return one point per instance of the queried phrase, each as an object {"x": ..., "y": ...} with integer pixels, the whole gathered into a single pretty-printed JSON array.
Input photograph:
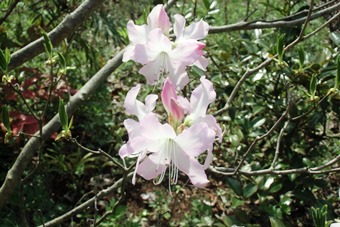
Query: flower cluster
[
  {"x": 152, "y": 47},
  {"x": 189, "y": 130}
]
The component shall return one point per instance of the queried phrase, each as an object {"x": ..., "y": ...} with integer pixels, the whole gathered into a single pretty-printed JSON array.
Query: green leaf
[
  {"x": 235, "y": 185},
  {"x": 3, "y": 62},
  {"x": 63, "y": 115},
  {"x": 319, "y": 216},
  {"x": 275, "y": 188},
  {"x": 259, "y": 123},
  {"x": 312, "y": 85},
  {"x": 70, "y": 123},
  {"x": 337, "y": 77},
  {"x": 301, "y": 52},
  {"x": 5, "y": 118},
  {"x": 7, "y": 56},
  {"x": 62, "y": 60},
  {"x": 275, "y": 222},
  {"x": 249, "y": 190},
  {"x": 206, "y": 4},
  {"x": 48, "y": 45},
  {"x": 280, "y": 46}
]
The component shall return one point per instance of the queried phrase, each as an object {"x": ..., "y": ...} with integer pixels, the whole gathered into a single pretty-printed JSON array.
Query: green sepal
[
  {"x": 280, "y": 46},
  {"x": 301, "y": 53},
  {"x": 312, "y": 85},
  {"x": 319, "y": 216},
  {"x": 337, "y": 76},
  {"x": 8, "y": 135},
  {"x": 62, "y": 60},
  {"x": 5, "y": 58},
  {"x": 5, "y": 118},
  {"x": 47, "y": 43},
  {"x": 63, "y": 115},
  {"x": 70, "y": 123}
]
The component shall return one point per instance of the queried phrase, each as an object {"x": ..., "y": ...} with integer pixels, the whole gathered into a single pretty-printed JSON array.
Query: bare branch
[
  {"x": 283, "y": 116},
  {"x": 14, "y": 174},
  {"x": 280, "y": 23},
  {"x": 86, "y": 204},
  {"x": 265, "y": 63},
  {"x": 9, "y": 11},
  {"x": 230, "y": 172},
  {"x": 99, "y": 151},
  {"x": 58, "y": 34}
]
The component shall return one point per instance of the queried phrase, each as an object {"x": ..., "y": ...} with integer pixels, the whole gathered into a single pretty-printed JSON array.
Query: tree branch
[
  {"x": 230, "y": 172},
  {"x": 62, "y": 31},
  {"x": 280, "y": 23},
  {"x": 9, "y": 11},
  {"x": 14, "y": 174},
  {"x": 86, "y": 204}
]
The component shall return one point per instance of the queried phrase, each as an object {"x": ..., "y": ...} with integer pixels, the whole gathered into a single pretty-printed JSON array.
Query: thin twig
[
  {"x": 311, "y": 110},
  {"x": 231, "y": 172},
  {"x": 88, "y": 203},
  {"x": 250, "y": 148},
  {"x": 279, "y": 23},
  {"x": 9, "y": 11},
  {"x": 99, "y": 151},
  {"x": 278, "y": 145}
]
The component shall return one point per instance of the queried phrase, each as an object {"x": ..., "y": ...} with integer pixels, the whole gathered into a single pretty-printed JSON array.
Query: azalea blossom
[
  {"x": 169, "y": 150},
  {"x": 138, "y": 34},
  {"x": 175, "y": 145},
  {"x": 196, "y": 109},
  {"x": 152, "y": 47}
]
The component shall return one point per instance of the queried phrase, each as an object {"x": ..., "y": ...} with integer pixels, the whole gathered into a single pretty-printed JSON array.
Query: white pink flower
[
  {"x": 152, "y": 47},
  {"x": 175, "y": 145}
]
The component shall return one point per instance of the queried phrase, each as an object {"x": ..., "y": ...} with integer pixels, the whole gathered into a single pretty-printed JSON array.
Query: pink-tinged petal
[
  {"x": 200, "y": 99},
  {"x": 153, "y": 70},
  {"x": 196, "y": 30},
  {"x": 191, "y": 167},
  {"x": 176, "y": 111},
  {"x": 132, "y": 127},
  {"x": 201, "y": 63},
  {"x": 158, "y": 18},
  {"x": 179, "y": 77},
  {"x": 136, "y": 53},
  {"x": 168, "y": 92},
  {"x": 138, "y": 34},
  {"x": 150, "y": 102},
  {"x": 157, "y": 43},
  {"x": 211, "y": 122},
  {"x": 137, "y": 108},
  {"x": 196, "y": 139},
  {"x": 208, "y": 159},
  {"x": 187, "y": 53},
  {"x": 179, "y": 25},
  {"x": 185, "y": 104},
  {"x": 152, "y": 129},
  {"x": 131, "y": 99},
  {"x": 124, "y": 151},
  {"x": 152, "y": 166}
]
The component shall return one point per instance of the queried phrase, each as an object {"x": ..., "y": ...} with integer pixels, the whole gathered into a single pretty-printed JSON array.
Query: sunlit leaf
[{"x": 275, "y": 222}]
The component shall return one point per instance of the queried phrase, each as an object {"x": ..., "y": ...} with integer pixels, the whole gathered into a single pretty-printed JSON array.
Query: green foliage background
[{"x": 67, "y": 175}]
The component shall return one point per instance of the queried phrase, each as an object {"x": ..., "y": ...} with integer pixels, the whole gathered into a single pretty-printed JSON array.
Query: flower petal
[
  {"x": 152, "y": 129},
  {"x": 176, "y": 111},
  {"x": 195, "y": 31},
  {"x": 191, "y": 167},
  {"x": 200, "y": 99},
  {"x": 152, "y": 166},
  {"x": 138, "y": 34},
  {"x": 158, "y": 18},
  {"x": 168, "y": 92},
  {"x": 196, "y": 139}
]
